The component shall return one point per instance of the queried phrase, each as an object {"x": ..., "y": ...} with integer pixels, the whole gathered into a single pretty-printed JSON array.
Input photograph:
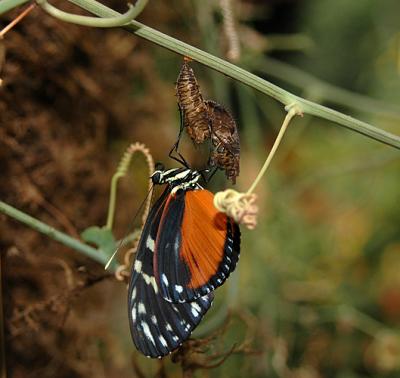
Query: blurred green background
[{"x": 317, "y": 289}]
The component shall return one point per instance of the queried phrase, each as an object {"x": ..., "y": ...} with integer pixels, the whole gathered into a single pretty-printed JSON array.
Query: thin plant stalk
[
  {"x": 291, "y": 113},
  {"x": 17, "y": 19}
]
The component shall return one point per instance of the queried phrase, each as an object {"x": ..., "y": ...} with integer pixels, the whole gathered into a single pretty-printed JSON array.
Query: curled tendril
[
  {"x": 106, "y": 22},
  {"x": 122, "y": 271},
  {"x": 240, "y": 207},
  {"x": 121, "y": 172}
]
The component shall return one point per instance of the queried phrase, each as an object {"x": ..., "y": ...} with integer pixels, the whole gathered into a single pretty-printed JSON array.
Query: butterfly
[{"x": 187, "y": 249}]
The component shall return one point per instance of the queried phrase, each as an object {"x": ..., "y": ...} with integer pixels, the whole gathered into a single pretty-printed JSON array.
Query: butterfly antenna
[
  {"x": 210, "y": 174},
  {"x": 130, "y": 226}
]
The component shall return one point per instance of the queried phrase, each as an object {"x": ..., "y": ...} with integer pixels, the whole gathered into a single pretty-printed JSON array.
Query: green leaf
[{"x": 102, "y": 237}]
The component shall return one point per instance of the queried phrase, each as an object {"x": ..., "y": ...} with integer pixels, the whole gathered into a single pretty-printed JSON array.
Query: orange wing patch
[{"x": 204, "y": 231}]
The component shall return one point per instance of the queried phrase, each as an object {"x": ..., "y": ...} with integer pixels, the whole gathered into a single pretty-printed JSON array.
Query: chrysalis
[
  {"x": 225, "y": 140},
  {"x": 192, "y": 106}
]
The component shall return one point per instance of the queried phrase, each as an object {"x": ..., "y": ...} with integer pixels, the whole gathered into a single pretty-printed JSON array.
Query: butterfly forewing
[
  {"x": 158, "y": 326},
  {"x": 197, "y": 247}
]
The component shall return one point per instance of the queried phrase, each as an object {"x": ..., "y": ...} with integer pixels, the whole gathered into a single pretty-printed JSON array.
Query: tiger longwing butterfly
[{"x": 187, "y": 249}]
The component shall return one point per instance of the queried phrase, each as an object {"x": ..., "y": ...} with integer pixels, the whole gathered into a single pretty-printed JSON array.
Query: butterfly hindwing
[
  {"x": 196, "y": 247},
  {"x": 157, "y": 326}
]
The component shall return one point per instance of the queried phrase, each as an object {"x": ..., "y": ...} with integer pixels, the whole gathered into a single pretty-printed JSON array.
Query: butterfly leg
[
  {"x": 210, "y": 175},
  {"x": 175, "y": 147}
]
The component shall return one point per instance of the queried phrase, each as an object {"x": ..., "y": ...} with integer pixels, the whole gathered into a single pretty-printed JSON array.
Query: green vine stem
[
  {"x": 107, "y": 22},
  {"x": 53, "y": 233},
  {"x": 319, "y": 89}
]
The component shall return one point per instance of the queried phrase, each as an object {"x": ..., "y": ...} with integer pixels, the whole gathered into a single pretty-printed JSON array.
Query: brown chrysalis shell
[
  {"x": 192, "y": 106},
  {"x": 207, "y": 119},
  {"x": 225, "y": 140}
]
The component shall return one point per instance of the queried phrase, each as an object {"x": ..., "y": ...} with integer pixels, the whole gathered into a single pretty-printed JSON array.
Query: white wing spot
[
  {"x": 133, "y": 312},
  {"x": 196, "y": 306},
  {"x": 133, "y": 296},
  {"x": 141, "y": 308},
  {"x": 179, "y": 288},
  {"x": 163, "y": 341},
  {"x": 150, "y": 243},
  {"x": 195, "y": 312},
  {"x": 175, "y": 338},
  {"x": 138, "y": 266},
  {"x": 147, "y": 332},
  {"x": 150, "y": 280},
  {"x": 165, "y": 280},
  {"x": 168, "y": 327},
  {"x": 154, "y": 320}
]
